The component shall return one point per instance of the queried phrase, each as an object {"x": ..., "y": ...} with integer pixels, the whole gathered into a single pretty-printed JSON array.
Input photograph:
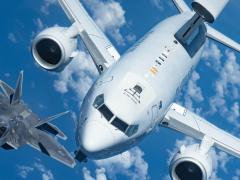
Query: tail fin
[
  {"x": 18, "y": 91},
  {"x": 181, "y": 6}
]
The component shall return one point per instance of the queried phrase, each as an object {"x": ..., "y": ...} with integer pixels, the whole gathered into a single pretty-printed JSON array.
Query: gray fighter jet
[{"x": 20, "y": 126}]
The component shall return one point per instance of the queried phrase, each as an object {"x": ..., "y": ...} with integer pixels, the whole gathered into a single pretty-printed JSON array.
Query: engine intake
[
  {"x": 53, "y": 48},
  {"x": 190, "y": 163}
]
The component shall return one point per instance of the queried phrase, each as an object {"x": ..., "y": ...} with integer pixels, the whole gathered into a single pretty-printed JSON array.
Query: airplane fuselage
[{"x": 133, "y": 95}]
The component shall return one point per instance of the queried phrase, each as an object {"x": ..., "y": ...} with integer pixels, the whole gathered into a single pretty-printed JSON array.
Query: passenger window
[
  {"x": 118, "y": 123},
  {"x": 106, "y": 112},
  {"x": 132, "y": 129}
]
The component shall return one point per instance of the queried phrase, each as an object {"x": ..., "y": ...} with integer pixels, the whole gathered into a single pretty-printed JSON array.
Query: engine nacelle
[
  {"x": 54, "y": 47},
  {"x": 191, "y": 163},
  {"x": 209, "y": 9}
]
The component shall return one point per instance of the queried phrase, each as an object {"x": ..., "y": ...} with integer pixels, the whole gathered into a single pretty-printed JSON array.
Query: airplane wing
[
  {"x": 49, "y": 146},
  {"x": 100, "y": 48},
  {"x": 189, "y": 123},
  {"x": 181, "y": 6}
]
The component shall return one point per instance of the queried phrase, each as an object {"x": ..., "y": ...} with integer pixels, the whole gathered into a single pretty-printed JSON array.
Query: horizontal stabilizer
[
  {"x": 50, "y": 128},
  {"x": 221, "y": 38},
  {"x": 49, "y": 119},
  {"x": 49, "y": 146},
  {"x": 184, "y": 121},
  {"x": 181, "y": 6}
]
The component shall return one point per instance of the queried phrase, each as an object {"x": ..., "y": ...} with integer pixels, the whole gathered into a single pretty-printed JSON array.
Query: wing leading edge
[
  {"x": 100, "y": 48},
  {"x": 184, "y": 121}
]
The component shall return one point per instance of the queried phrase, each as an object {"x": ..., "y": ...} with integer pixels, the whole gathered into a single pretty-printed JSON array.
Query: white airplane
[{"x": 134, "y": 92}]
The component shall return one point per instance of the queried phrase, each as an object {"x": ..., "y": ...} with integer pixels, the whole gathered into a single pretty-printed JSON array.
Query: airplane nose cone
[{"x": 95, "y": 138}]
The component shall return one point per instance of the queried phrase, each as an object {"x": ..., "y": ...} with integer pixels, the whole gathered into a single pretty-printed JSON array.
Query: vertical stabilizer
[{"x": 18, "y": 91}]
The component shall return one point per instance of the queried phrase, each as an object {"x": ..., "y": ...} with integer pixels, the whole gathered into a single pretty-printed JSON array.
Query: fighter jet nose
[{"x": 95, "y": 138}]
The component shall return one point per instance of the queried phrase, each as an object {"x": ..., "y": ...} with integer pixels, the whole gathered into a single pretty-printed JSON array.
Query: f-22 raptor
[{"x": 20, "y": 126}]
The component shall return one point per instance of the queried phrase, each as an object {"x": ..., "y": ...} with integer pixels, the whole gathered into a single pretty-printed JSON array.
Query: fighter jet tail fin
[
  {"x": 51, "y": 147},
  {"x": 16, "y": 97}
]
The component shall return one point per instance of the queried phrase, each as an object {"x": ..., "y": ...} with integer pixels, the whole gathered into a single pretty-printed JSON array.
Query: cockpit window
[
  {"x": 98, "y": 101},
  {"x": 132, "y": 129},
  {"x": 106, "y": 112},
  {"x": 128, "y": 130},
  {"x": 121, "y": 125}
]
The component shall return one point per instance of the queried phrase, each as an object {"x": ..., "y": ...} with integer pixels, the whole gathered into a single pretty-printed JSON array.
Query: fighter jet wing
[
  {"x": 100, "y": 48},
  {"x": 189, "y": 123},
  {"x": 49, "y": 146}
]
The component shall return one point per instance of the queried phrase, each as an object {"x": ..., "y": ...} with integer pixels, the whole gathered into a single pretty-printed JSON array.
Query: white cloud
[
  {"x": 46, "y": 174},
  {"x": 45, "y": 7},
  {"x": 100, "y": 174},
  {"x": 212, "y": 56},
  {"x": 109, "y": 16},
  {"x": 130, "y": 164},
  {"x": 219, "y": 159},
  {"x": 227, "y": 86},
  {"x": 87, "y": 174},
  {"x": 192, "y": 93},
  {"x": 24, "y": 171},
  {"x": 12, "y": 37},
  {"x": 157, "y": 3},
  {"x": 237, "y": 175},
  {"x": 78, "y": 76}
]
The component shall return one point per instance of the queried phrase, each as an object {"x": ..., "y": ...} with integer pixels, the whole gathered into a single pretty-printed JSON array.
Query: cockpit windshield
[{"x": 128, "y": 130}]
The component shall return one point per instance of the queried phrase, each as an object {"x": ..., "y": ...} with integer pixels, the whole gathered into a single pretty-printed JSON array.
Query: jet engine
[
  {"x": 54, "y": 48},
  {"x": 191, "y": 163}
]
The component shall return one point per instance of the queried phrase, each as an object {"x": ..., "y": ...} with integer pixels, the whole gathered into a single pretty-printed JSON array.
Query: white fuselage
[{"x": 138, "y": 90}]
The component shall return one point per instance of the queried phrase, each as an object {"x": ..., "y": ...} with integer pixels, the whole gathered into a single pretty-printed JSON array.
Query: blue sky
[{"x": 213, "y": 91}]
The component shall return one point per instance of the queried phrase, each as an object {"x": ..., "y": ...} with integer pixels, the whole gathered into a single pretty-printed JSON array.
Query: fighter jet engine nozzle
[
  {"x": 54, "y": 47},
  {"x": 191, "y": 163},
  {"x": 209, "y": 10}
]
